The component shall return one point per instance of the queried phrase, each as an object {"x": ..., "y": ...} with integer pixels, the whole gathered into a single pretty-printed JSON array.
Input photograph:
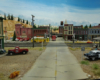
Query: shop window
[{"x": 69, "y": 27}]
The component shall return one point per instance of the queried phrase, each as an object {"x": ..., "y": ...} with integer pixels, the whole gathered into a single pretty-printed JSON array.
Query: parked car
[
  {"x": 53, "y": 37},
  {"x": 26, "y": 39},
  {"x": 94, "y": 54},
  {"x": 17, "y": 50},
  {"x": 2, "y": 51}
]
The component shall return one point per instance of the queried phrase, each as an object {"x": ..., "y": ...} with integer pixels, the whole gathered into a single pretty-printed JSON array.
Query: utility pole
[
  {"x": 33, "y": 27},
  {"x": 49, "y": 32}
]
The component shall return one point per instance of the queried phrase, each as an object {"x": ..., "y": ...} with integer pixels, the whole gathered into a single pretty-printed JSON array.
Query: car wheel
[
  {"x": 93, "y": 58},
  {"x": 24, "y": 52},
  {"x": 11, "y": 53}
]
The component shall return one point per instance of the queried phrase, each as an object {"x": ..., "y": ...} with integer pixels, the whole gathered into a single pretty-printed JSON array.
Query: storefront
[{"x": 1, "y": 34}]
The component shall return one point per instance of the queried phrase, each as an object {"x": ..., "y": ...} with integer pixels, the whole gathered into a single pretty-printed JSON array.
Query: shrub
[
  {"x": 95, "y": 66},
  {"x": 85, "y": 62},
  {"x": 40, "y": 49}
]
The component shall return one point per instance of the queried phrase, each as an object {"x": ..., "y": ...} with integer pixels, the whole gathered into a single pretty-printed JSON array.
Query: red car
[
  {"x": 53, "y": 37},
  {"x": 26, "y": 39},
  {"x": 17, "y": 50}
]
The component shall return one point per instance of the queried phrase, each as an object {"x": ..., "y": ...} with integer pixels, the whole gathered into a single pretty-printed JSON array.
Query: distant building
[
  {"x": 68, "y": 31},
  {"x": 80, "y": 33},
  {"x": 94, "y": 32},
  {"x": 1, "y": 33},
  {"x": 21, "y": 31},
  {"x": 61, "y": 28}
]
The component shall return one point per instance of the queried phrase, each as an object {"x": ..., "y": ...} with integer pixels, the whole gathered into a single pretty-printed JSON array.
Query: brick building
[
  {"x": 80, "y": 33},
  {"x": 21, "y": 31}
]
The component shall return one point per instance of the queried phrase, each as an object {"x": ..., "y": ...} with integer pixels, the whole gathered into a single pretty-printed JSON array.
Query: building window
[
  {"x": 69, "y": 27},
  {"x": 95, "y": 31},
  {"x": 98, "y": 31},
  {"x": 66, "y": 32},
  {"x": 92, "y": 31},
  {"x": 23, "y": 31},
  {"x": 69, "y": 32},
  {"x": 86, "y": 32}
]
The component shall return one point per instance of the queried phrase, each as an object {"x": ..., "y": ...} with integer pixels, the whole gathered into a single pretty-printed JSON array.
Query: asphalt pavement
[{"x": 55, "y": 63}]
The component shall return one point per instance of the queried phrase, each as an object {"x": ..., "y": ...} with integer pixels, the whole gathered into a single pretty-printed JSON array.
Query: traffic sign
[{"x": 82, "y": 48}]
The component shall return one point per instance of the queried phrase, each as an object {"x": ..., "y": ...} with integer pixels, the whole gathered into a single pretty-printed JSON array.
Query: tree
[
  {"x": 18, "y": 19},
  {"x": 8, "y": 16},
  {"x": 4, "y": 16},
  {"x": 27, "y": 22},
  {"x": 14, "y": 36},
  {"x": 34, "y": 26},
  {"x": 12, "y": 18},
  {"x": 90, "y": 26},
  {"x": 86, "y": 27},
  {"x": 23, "y": 21}
]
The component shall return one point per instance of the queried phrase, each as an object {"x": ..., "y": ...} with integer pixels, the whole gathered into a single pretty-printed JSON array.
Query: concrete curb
[{"x": 3, "y": 55}]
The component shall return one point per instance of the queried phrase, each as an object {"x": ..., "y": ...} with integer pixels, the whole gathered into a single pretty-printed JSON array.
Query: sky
[{"x": 76, "y": 12}]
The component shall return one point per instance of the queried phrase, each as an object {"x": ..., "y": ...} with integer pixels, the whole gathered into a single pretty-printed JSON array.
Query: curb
[{"x": 3, "y": 55}]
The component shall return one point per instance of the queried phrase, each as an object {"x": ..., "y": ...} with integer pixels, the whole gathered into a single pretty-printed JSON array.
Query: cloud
[{"x": 45, "y": 14}]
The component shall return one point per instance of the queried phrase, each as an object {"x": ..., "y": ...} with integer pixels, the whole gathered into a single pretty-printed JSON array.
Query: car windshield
[{"x": 91, "y": 52}]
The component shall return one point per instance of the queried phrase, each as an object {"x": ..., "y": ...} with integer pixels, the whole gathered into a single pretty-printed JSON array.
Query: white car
[{"x": 94, "y": 54}]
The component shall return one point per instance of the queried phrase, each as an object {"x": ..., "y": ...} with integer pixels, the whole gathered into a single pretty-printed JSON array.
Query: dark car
[
  {"x": 2, "y": 51},
  {"x": 94, "y": 54}
]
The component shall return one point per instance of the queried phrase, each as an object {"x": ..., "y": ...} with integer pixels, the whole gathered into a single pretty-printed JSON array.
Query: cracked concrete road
[{"x": 56, "y": 63}]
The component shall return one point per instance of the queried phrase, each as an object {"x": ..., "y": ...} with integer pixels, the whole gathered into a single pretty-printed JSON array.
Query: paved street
[{"x": 56, "y": 63}]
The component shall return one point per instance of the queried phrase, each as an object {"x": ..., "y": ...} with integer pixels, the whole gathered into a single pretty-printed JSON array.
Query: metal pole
[
  {"x": 42, "y": 44},
  {"x": 82, "y": 55},
  {"x": 49, "y": 32},
  {"x": 33, "y": 28}
]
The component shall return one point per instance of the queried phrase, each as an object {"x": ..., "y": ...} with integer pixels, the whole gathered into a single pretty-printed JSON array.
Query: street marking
[{"x": 55, "y": 73}]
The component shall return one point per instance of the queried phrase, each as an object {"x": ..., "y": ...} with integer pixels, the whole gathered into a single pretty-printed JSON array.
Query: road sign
[{"x": 82, "y": 48}]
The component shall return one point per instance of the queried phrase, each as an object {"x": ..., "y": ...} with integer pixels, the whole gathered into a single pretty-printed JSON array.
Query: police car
[{"x": 94, "y": 54}]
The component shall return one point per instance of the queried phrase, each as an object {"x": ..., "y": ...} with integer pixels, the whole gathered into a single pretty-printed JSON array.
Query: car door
[
  {"x": 17, "y": 50},
  {"x": 98, "y": 54}
]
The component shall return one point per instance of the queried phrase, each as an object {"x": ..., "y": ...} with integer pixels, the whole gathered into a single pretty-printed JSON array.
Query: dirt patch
[
  {"x": 22, "y": 63},
  {"x": 86, "y": 68}
]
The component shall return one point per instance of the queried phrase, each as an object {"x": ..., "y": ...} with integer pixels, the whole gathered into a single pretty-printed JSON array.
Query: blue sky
[{"x": 77, "y": 12}]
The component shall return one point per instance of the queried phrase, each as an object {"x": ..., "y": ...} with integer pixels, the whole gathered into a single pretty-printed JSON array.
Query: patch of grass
[
  {"x": 73, "y": 49},
  {"x": 97, "y": 72},
  {"x": 85, "y": 62},
  {"x": 30, "y": 48},
  {"x": 3, "y": 77},
  {"x": 40, "y": 49},
  {"x": 95, "y": 66}
]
